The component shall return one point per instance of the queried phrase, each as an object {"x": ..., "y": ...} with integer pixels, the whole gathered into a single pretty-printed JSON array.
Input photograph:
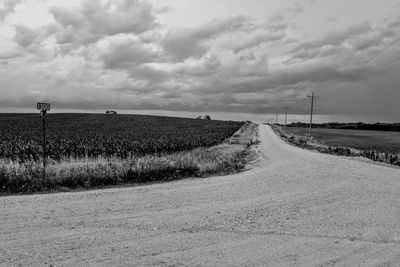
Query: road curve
[{"x": 293, "y": 207}]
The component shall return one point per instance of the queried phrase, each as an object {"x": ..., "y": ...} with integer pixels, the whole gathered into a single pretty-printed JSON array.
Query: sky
[{"x": 249, "y": 56}]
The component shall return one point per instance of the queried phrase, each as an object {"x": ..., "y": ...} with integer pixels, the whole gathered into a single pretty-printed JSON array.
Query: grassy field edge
[
  {"x": 312, "y": 144},
  {"x": 87, "y": 173}
]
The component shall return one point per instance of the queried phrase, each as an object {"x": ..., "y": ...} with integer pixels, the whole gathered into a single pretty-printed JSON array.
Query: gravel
[{"x": 293, "y": 207}]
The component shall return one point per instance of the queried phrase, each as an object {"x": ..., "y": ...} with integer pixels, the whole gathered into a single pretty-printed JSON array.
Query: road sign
[{"x": 43, "y": 106}]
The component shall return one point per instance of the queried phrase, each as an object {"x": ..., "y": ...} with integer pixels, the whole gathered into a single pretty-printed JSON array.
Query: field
[
  {"x": 94, "y": 135},
  {"x": 87, "y": 151},
  {"x": 388, "y": 142}
]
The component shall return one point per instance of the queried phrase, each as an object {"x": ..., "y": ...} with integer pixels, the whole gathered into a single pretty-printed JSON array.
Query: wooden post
[
  {"x": 312, "y": 96},
  {"x": 43, "y": 113}
]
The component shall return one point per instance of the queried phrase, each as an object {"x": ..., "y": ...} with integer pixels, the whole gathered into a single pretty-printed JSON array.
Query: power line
[
  {"x": 286, "y": 109},
  {"x": 379, "y": 52}
]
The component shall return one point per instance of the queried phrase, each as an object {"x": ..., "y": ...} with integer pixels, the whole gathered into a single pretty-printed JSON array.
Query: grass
[
  {"x": 86, "y": 173},
  {"x": 341, "y": 146},
  {"x": 388, "y": 142}
]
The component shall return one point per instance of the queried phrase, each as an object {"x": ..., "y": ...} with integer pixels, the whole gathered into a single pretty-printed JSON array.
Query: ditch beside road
[{"x": 293, "y": 207}]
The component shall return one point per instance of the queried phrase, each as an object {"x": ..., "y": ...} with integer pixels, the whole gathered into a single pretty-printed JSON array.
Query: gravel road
[{"x": 293, "y": 207}]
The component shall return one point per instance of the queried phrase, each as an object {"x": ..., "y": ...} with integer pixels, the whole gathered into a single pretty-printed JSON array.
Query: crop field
[
  {"x": 388, "y": 142},
  {"x": 94, "y": 135},
  {"x": 94, "y": 150}
]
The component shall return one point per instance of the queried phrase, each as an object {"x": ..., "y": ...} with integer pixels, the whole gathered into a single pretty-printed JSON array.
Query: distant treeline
[{"x": 353, "y": 126}]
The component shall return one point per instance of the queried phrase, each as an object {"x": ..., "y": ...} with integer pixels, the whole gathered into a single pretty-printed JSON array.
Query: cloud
[
  {"x": 184, "y": 43},
  {"x": 282, "y": 20},
  {"x": 349, "y": 47},
  {"x": 239, "y": 41},
  {"x": 335, "y": 38},
  {"x": 104, "y": 54},
  {"x": 126, "y": 52},
  {"x": 369, "y": 39},
  {"x": 7, "y": 8},
  {"x": 26, "y": 36},
  {"x": 9, "y": 50},
  {"x": 96, "y": 19}
]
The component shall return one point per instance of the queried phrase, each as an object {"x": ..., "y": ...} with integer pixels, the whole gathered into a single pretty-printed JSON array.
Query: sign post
[{"x": 44, "y": 107}]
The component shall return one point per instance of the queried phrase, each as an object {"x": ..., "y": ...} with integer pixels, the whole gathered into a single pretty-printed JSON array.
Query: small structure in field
[
  {"x": 111, "y": 112},
  {"x": 206, "y": 117}
]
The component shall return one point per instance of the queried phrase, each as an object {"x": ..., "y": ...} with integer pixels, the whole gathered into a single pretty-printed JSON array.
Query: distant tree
[{"x": 207, "y": 117}]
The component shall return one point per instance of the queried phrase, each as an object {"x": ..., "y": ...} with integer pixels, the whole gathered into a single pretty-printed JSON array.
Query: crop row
[{"x": 93, "y": 135}]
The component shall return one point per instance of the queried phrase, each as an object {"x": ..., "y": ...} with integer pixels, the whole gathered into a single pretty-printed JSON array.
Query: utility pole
[
  {"x": 312, "y": 96},
  {"x": 44, "y": 107},
  {"x": 276, "y": 118},
  {"x": 286, "y": 109},
  {"x": 43, "y": 115}
]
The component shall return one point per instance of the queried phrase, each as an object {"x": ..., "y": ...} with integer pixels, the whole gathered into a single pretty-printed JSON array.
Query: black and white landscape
[{"x": 199, "y": 133}]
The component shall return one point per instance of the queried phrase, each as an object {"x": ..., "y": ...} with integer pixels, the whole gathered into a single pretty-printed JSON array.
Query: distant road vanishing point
[{"x": 293, "y": 207}]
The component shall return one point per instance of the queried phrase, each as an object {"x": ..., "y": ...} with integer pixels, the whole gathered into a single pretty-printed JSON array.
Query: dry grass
[
  {"x": 382, "y": 141},
  {"x": 343, "y": 150}
]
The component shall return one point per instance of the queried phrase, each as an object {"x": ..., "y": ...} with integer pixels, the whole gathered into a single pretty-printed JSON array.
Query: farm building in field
[
  {"x": 111, "y": 112},
  {"x": 206, "y": 117}
]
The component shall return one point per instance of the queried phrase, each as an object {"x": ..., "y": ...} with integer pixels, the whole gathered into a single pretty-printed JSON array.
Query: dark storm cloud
[
  {"x": 99, "y": 54},
  {"x": 319, "y": 73},
  {"x": 277, "y": 80}
]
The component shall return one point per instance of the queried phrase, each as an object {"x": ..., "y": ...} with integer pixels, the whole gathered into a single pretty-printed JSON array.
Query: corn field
[{"x": 95, "y": 135}]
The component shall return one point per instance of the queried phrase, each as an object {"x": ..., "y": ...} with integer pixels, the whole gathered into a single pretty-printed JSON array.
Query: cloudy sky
[{"x": 202, "y": 55}]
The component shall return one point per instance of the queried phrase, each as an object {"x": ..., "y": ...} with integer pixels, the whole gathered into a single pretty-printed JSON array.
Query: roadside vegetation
[
  {"x": 326, "y": 141},
  {"x": 351, "y": 126},
  {"x": 382, "y": 141},
  {"x": 65, "y": 173}
]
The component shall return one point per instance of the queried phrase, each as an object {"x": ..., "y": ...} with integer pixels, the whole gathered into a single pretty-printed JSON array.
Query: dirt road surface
[{"x": 294, "y": 207}]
